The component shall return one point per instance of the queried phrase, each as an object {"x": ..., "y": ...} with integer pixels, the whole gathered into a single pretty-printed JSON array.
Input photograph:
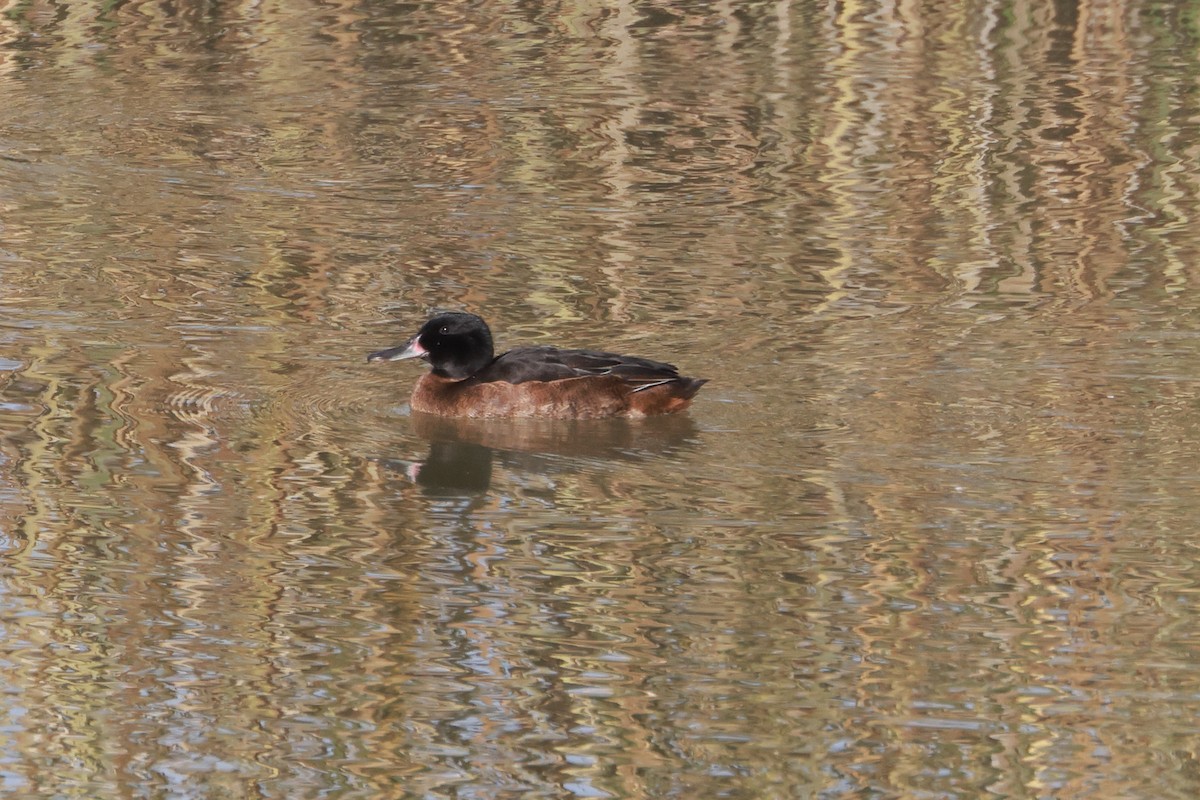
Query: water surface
[{"x": 927, "y": 532}]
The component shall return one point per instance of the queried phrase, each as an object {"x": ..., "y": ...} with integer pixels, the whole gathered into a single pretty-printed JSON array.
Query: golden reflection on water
[{"x": 926, "y": 532}]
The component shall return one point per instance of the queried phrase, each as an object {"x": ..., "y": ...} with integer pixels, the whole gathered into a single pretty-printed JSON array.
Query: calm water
[{"x": 929, "y": 532}]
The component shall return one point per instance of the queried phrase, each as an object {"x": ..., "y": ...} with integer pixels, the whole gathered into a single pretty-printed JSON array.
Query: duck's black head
[{"x": 456, "y": 344}]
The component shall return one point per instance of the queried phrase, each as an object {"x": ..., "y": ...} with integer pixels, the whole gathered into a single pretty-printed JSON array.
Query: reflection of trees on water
[{"x": 206, "y": 208}]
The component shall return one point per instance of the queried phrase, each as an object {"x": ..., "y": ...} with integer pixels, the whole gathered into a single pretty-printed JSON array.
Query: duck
[{"x": 468, "y": 379}]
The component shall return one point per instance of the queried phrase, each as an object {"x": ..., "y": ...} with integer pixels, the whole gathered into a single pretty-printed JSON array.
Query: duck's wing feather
[{"x": 553, "y": 364}]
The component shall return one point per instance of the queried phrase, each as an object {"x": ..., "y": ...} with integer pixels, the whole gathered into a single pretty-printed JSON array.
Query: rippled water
[{"x": 927, "y": 532}]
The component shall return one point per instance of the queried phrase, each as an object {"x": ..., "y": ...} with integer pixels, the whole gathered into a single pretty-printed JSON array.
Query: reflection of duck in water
[
  {"x": 620, "y": 439},
  {"x": 462, "y": 451},
  {"x": 451, "y": 469},
  {"x": 469, "y": 380}
]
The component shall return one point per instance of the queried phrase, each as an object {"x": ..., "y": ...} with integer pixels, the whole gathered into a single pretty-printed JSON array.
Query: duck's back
[{"x": 522, "y": 364}]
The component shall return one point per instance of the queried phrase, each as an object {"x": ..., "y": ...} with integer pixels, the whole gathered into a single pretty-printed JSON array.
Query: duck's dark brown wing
[{"x": 552, "y": 364}]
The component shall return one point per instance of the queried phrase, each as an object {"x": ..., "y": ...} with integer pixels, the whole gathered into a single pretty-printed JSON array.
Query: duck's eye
[{"x": 445, "y": 329}]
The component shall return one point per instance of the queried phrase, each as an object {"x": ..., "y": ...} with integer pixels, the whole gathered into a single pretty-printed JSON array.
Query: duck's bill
[{"x": 410, "y": 349}]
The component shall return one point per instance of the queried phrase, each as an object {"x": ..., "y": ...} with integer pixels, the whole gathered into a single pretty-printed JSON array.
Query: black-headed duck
[{"x": 469, "y": 380}]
